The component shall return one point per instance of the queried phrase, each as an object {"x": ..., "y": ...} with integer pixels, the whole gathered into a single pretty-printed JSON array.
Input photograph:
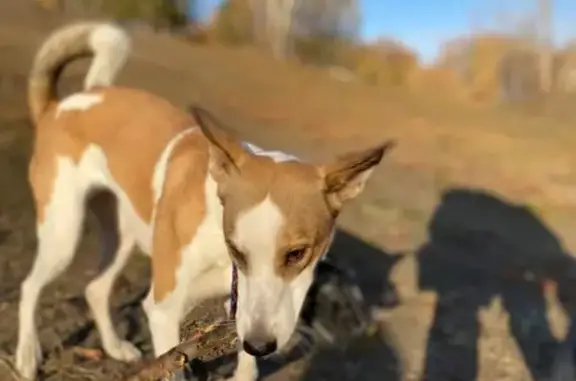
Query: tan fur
[
  {"x": 131, "y": 126},
  {"x": 309, "y": 196},
  {"x": 180, "y": 210},
  {"x": 297, "y": 189}
]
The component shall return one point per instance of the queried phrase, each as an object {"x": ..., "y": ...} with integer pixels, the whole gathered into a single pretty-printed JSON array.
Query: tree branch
[{"x": 178, "y": 357}]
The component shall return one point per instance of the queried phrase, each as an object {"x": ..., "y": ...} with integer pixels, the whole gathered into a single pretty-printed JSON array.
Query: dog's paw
[
  {"x": 28, "y": 357},
  {"x": 124, "y": 351}
]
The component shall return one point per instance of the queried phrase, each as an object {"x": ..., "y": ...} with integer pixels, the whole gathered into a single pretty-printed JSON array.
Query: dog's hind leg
[
  {"x": 60, "y": 216},
  {"x": 116, "y": 245}
]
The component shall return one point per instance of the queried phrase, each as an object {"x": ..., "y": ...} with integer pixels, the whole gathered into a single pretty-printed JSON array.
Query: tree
[
  {"x": 546, "y": 53},
  {"x": 232, "y": 24},
  {"x": 275, "y": 19},
  {"x": 276, "y": 24},
  {"x": 279, "y": 22},
  {"x": 160, "y": 13},
  {"x": 336, "y": 18}
]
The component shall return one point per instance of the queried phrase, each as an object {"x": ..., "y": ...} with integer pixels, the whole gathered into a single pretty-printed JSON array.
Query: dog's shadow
[
  {"x": 364, "y": 357},
  {"x": 360, "y": 357},
  {"x": 4, "y": 234}
]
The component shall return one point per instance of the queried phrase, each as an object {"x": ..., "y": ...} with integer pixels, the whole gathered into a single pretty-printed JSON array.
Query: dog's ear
[
  {"x": 346, "y": 178},
  {"x": 226, "y": 153}
]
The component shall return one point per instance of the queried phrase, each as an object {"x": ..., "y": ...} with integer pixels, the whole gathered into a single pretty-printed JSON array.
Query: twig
[
  {"x": 176, "y": 359},
  {"x": 10, "y": 367}
]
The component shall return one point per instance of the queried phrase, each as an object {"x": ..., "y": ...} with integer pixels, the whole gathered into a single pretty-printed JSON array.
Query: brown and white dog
[{"x": 186, "y": 192}]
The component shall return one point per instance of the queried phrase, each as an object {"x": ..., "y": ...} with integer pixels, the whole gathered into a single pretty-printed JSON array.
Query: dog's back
[
  {"x": 128, "y": 128},
  {"x": 102, "y": 138}
]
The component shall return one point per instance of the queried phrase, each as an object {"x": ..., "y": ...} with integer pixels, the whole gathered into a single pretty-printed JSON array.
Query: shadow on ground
[
  {"x": 369, "y": 356},
  {"x": 481, "y": 247}
]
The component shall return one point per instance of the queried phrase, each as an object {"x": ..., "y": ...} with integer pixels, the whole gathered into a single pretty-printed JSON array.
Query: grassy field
[{"x": 478, "y": 202}]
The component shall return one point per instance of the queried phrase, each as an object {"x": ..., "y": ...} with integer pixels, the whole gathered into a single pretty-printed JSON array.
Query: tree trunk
[
  {"x": 279, "y": 17},
  {"x": 546, "y": 54}
]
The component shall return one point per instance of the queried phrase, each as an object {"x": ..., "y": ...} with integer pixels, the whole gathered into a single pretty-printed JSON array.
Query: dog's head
[{"x": 279, "y": 219}]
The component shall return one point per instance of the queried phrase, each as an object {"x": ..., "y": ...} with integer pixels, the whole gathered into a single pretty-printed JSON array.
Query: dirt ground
[{"x": 469, "y": 222}]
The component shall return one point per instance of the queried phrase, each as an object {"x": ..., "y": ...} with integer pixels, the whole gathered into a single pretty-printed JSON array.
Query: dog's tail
[{"x": 107, "y": 44}]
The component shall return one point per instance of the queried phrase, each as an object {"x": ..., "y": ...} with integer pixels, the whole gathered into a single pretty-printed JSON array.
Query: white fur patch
[
  {"x": 79, "y": 102},
  {"x": 111, "y": 46},
  {"x": 277, "y": 156},
  {"x": 96, "y": 173},
  {"x": 257, "y": 232},
  {"x": 265, "y": 300}
]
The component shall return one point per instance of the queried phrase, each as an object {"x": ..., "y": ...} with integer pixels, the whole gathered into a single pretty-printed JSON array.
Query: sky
[{"x": 425, "y": 24}]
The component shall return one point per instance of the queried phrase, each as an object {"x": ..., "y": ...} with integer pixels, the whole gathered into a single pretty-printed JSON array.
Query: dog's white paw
[
  {"x": 124, "y": 351},
  {"x": 28, "y": 357}
]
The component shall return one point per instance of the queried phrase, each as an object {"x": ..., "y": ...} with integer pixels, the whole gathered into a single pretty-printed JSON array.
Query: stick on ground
[{"x": 167, "y": 365}]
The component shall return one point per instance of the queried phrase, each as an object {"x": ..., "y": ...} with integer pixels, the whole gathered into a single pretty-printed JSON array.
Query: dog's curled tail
[{"x": 108, "y": 45}]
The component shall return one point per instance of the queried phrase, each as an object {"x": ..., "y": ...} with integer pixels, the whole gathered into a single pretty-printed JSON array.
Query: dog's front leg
[
  {"x": 246, "y": 370},
  {"x": 164, "y": 322}
]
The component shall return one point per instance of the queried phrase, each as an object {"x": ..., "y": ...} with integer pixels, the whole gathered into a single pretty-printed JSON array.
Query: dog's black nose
[{"x": 259, "y": 347}]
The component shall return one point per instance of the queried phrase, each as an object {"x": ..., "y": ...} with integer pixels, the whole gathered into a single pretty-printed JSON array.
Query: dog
[{"x": 204, "y": 205}]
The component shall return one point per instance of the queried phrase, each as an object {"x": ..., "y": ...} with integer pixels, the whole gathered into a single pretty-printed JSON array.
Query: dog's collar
[{"x": 234, "y": 292}]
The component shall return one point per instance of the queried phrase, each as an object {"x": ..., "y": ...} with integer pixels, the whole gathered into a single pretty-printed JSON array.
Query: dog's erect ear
[
  {"x": 226, "y": 152},
  {"x": 345, "y": 179}
]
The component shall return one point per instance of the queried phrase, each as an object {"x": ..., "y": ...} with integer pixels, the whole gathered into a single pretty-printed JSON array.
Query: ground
[{"x": 468, "y": 221}]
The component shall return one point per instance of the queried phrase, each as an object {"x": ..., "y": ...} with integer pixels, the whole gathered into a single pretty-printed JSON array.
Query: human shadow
[{"x": 481, "y": 247}]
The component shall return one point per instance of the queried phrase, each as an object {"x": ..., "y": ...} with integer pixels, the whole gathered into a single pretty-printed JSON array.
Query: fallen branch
[{"x": 175, "y": 360}]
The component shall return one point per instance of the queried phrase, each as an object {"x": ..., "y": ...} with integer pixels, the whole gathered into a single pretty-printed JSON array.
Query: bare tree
[
  {"x": 271, "y": 23},
  {"x": 338, "y": 18},
  {"x": 258, "y": 9},
  {"x": 276, "y": 22}
]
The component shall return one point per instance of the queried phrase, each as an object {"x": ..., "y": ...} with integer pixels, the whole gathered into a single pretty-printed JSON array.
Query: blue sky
[{"x": 425, "y": 24}]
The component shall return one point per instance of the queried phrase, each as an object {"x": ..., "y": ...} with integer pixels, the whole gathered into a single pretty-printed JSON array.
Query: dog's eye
[{"x": 295, "y": 256}]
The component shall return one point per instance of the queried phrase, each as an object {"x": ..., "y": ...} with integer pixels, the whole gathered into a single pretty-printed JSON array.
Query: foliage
[
  {"x": 494, "y": 66},
  {"x": 384, "y": 63},
  {"x": 232, "y": 24},
  {"x": 320, "y": 50},
  {"x": 158, "y": 12}
]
